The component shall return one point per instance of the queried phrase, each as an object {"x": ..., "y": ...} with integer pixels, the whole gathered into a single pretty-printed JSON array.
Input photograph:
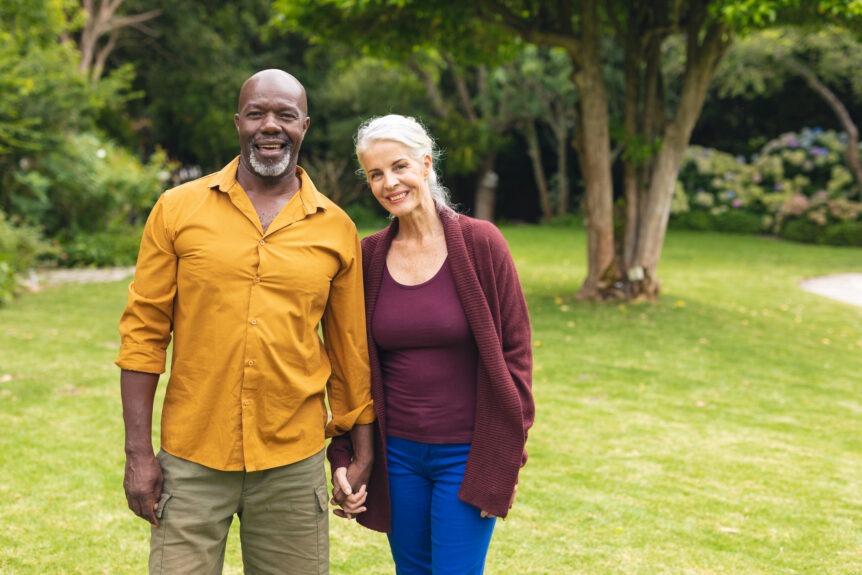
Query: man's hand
[
  {"x": 143, "y": 479},
  {"x": 351, "y": 501},
  {"x": 143, "y": 484},
  {"x": 349, "y": 483}
]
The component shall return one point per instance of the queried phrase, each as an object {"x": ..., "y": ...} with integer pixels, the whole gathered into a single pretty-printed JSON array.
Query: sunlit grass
[{"x": 715, "y": 431}]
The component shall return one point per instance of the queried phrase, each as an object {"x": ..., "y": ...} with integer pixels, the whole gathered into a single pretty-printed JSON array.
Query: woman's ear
[{"x": 428, "y": 163}]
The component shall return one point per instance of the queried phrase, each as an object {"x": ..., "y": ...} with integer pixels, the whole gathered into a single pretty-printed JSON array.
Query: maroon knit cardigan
[{"x": 489, "y": 290}]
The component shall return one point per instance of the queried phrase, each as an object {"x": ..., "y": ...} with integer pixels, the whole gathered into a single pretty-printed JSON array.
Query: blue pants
[{"x": 433, "y": 532}]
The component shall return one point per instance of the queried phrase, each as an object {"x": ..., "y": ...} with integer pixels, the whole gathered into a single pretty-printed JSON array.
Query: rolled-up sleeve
[
  {"x": 344, "y": 335},
  {"x": 146, "y": 323}
]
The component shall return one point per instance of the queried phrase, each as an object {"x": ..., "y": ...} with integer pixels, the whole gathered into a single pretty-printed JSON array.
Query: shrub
[
  {"x": 87, "y": 184},
  {"x": 102, "y": 249},
  {"x": 801, "y": 230},
  {"x": 797, "y": 186},
  {"x": 843, "y": 234},
  {"x": 695, "y": 220},
  {"x": 714, "y": 180},
  {"x": 8, "y": 283},
  {"x": 20, "y": 247},
  {"x": 738, "y": 222}
]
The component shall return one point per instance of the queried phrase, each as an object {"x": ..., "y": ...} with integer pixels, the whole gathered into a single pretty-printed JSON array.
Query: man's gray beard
[{"x": 268, "y": 170}]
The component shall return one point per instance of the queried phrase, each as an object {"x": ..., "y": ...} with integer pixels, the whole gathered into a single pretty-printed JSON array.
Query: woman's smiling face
[{"x": 397, "y": 181}]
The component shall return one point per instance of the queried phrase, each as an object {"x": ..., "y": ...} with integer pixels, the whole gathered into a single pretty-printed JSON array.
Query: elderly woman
[{"x": 451, "y": 364}]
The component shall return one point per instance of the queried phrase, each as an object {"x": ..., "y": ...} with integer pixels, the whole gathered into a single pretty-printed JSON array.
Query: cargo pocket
[
  {"x": 322, "y": 530},
  {"x": 158, "y": 537},
  {"x": 322, "y": 498},
  {"x": 163, "y": 501}
]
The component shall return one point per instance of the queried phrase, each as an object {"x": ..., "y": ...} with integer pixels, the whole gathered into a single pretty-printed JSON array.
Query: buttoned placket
[{"x": 250, "y": 373}]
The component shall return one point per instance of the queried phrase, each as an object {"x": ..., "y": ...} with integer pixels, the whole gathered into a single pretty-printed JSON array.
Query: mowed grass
[{"x": 716, "y": 431}]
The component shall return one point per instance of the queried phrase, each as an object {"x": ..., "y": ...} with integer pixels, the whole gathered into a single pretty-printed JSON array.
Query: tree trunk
[
  {"x": 486, "y": 190},
  {"x": 703, "y": 54},
  {"x": 644, "y": 105},
  {"x": 561, "y": 139},
  {"x": 654, "y": 214},
  {"x": 594, "y": 154},
  {"x": 535, "y": 153},
  {"x": 592, "y": 145},
  {"x": 631, "y": 182}
]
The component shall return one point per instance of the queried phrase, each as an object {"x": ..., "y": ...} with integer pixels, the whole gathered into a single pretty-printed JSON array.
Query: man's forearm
[
  {"x": 138, "y": 391},
  {"x": 362, "y": 438}
]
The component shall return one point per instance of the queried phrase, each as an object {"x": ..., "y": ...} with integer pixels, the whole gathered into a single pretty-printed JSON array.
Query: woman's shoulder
[{"x": 370, "y": 241}]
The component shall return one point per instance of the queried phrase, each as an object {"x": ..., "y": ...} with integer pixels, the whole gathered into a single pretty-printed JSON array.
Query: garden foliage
[
  {"x": 89, "y": 195},
  {"x": 796, "y": 187},
  {"x": 20, "y": 247}
]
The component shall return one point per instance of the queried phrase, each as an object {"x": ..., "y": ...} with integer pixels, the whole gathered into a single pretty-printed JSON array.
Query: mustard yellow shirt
[{"x": 250, "y": 375}]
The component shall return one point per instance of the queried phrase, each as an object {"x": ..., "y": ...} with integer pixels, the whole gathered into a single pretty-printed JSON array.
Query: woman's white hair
[{"x": 410, "y": 133}]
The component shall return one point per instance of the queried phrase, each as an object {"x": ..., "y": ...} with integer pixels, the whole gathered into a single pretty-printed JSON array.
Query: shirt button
[
  {"x": 257, "y": 279},
  {"x": 262, "y": 242},
  {"x": 246, "y": 403},
  {"x": 254, "y": 322},
  {"x": 251, "y": 362}
]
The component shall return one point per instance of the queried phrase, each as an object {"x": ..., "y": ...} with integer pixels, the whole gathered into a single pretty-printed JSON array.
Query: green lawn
[{"x": 714, "y": 432}]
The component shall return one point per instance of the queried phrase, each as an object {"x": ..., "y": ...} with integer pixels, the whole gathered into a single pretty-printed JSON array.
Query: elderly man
[{"x": 241, "y": 267}]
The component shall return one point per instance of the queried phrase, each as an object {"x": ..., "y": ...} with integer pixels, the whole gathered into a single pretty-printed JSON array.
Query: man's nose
[{"x": 270, "y": 124}]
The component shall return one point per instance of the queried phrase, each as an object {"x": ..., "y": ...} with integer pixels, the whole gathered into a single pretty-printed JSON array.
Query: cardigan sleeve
[
  {"x": 514, "y": 319},
  {"x": 340, "y": 451}
]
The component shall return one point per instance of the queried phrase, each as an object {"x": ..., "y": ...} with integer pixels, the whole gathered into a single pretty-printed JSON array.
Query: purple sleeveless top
[{"x": 428, "y": 358}]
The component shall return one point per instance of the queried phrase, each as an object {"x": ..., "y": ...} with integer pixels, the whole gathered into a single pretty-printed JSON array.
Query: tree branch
[
  {"x": 100, "y": 22},
  {"x": 838, "y": 108},
  {"x": 461, "y": 88},
  {"x": 134, "y": 19},
  {"x": 438, "y": 103},
  {"x": 533, "y": 32},
  {"x": 102, "y": 56}
]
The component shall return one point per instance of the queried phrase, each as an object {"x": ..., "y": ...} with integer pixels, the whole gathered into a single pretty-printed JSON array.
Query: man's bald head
[{"x": 272, "y": 81}]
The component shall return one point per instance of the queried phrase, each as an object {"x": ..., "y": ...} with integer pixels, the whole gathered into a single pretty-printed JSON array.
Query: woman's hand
[
  {"x": 484, "y": 514},
  {"x": 350, "y": 504}
]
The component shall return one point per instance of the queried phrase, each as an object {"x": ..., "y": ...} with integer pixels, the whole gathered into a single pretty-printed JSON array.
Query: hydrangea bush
[{"x": 797, "y": 187}]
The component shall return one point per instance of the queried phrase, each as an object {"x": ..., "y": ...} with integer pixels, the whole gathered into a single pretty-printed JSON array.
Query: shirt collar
[{"x": 225, "y": 179}]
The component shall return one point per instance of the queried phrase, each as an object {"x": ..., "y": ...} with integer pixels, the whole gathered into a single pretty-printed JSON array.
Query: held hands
[
  {"x": 351, "y": 502},
  {"x": 143, "y": 485},
  {"x": 484, "y": 514},
  {"x": 349, "y": 483}
]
